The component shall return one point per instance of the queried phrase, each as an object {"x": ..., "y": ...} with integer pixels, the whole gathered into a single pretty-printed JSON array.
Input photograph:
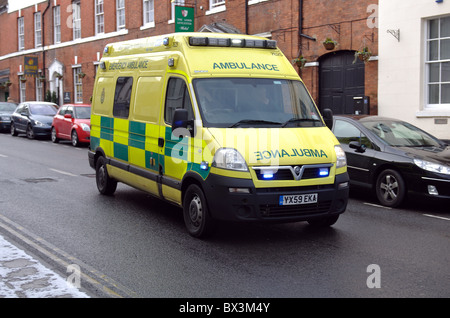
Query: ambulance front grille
[
  {"x": 272, "y": 210},
  {"x": 291, "y": 172}
]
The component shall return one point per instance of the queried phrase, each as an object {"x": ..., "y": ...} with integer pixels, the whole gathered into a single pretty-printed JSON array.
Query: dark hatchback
[
  {"x": 394, "y": 158},
  {"x": 34, "y": 119},
  {"x": 6, "y": 110}
]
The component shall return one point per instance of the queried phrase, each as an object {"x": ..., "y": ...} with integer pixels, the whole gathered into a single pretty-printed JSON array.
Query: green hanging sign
[{"x": 184, "y": 19}]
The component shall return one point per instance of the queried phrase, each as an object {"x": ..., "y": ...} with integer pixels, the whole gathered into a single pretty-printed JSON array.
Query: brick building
[{"x": 66, "y": 38}]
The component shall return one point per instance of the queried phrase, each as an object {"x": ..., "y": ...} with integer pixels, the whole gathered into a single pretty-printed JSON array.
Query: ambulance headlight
[
  {"x": 341, "y": 159},
  {"x": 229, "y": 158}
]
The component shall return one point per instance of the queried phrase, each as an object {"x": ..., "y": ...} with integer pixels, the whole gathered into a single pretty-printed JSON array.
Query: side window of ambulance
[
  {"x": 177, "y": 97},
  {"x": 122, "y": 97}
]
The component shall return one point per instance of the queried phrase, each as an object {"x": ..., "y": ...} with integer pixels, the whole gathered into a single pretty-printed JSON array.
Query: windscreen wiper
[
  {"x": 254, "y": 121},
  {"x": 297, "y": 120}
]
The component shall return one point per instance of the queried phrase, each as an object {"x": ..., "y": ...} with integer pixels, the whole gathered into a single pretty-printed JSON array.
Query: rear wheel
[
  {"x": 195, "y": 211},
  {"x": 390, "y": 188},
  {"x": 105, "y": 184}
]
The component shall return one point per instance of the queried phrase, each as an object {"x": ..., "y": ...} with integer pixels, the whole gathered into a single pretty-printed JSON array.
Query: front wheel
[
  {"x": 53, "y": 135},
  {"x": 13, "y": 129},
  {"x": 30, "y": 132},
  {"x": 390, "y": 188},
  {"x": 105, "y": 184},
  {"x": 195, "y": 211},
  {"x": 74, "y": 138}
]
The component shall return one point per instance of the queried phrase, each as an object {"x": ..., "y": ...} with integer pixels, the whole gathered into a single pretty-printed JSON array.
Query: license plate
[{"x": 296, "y": 199}]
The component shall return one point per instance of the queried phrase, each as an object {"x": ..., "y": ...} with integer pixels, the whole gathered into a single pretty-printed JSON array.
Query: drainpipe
[
  {"x": 43, "y": 45},
  {"x": 246, "y": 16},
  {"x": 300, "y": 24}
]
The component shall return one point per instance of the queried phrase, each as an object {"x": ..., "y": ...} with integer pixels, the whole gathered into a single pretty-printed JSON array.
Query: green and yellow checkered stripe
[{"x": 137, "y": 144}]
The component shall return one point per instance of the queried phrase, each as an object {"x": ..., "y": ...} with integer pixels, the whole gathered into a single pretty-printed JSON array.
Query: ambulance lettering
[
  {"x": 245, "y": 66},
  {"x": 273, "y": 154}
]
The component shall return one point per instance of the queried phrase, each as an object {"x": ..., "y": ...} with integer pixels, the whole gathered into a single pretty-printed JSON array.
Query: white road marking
[
  {"x": 3, "y": 156},
  {"x": 378, "y": 206},
  {"x": 437, "y": 217},
  {"x": 63, "y": 172}
]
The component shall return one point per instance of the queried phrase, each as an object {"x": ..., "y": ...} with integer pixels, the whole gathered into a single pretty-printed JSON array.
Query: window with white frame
[
  {"x": 21, "y": 33},
  {"x": 176, "y": 3},
  {"x": 39, "y": 88},
  {"x": 149, "y": 13},
  {"x": 438, "y": 63},
  {"x": 22, "y": 89},
  {"x": 37, "y": 30},
  {"x": 57, "y": 24},
  {"x": 76, "y": 19},
  {"x": 120, "y": 14},
  {"x": 216, "y": 3},
  {"x": 78, "y": 85},
  {"x": 99, "y": 17}
]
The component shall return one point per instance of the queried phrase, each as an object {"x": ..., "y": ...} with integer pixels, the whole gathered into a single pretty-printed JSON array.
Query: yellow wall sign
[{"x": 30, "y": 66}]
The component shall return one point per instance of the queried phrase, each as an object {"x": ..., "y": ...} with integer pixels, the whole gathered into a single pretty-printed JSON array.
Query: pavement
[{"x": 22, "y": 276}]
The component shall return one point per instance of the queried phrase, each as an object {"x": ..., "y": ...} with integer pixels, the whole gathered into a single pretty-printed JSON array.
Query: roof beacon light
[{"x": 228, "y": 42}]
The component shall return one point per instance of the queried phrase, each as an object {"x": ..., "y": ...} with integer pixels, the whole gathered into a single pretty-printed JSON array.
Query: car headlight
[
  {"x": 341, "y": 158},
  {"x": 229, "y": 158},
  {"x": 431, "y": 166},
  {"x": 85, "y": 127},
  {"x": 38, "y": 123}
]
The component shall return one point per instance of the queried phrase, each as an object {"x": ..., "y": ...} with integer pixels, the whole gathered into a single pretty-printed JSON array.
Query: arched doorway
[{"x": 339, "y": 81}]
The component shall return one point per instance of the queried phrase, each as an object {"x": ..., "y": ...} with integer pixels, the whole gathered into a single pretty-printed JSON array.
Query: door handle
[{"x": 161, "y": 142}]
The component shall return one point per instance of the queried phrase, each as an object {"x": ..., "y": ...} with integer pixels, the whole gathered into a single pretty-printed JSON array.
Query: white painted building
[{"x": 414, "y": 63}]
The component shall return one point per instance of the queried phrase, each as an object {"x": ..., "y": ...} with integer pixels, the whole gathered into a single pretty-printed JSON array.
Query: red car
[{"x": 72, "y": 122}]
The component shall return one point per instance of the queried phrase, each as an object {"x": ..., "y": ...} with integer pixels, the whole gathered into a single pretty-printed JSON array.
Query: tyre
[
  {"x": 196, "y": 214},
  {"x": 74, "y": 138},
  {"x": 105, "y": 184},
  {"x": 324, "y": 221},
  {"x": 30, "y": 132},
  {"x": 13, "y": 129},
  {"x": 390, "y": 188},
  {"x": 53, "y": 136}
]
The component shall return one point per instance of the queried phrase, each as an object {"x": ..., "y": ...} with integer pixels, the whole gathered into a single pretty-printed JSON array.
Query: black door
[{"x": 340, "y": 80}]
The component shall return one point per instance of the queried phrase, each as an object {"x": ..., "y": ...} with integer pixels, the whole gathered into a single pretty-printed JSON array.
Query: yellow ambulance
[{"x": 220, "y": 125}]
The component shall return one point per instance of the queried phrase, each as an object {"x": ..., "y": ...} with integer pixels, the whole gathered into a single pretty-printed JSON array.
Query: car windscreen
[
  {"x": 43, "y": 109},
  {"x": 7, "y": 107},
  {"x": 255, "y": 102},
  {"x": 82, "y": 112},
  {"x": 401, "y": 134}
]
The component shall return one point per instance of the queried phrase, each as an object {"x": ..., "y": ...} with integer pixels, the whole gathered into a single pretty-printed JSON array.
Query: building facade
[
  {"x": 414, "y": 70},
  {"x": 51, "y": 48}
]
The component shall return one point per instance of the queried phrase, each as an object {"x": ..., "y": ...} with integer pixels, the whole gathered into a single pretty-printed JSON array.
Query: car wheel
[
  {"x": 54, "y": 138},
  {"x": 105, "y": 184},
  {"x": 30, "y": 132},
  {"x": 74, "y": 138},
  {"x": 13, "y": 129},
  {"x": 195, "y": 212},
  {"x": 324, "y": 221},
  {"x": 390, "y": 188}
]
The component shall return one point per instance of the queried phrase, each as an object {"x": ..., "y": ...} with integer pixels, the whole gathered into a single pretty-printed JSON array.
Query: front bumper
[
  {"x": 42, "y": 130},
  {"x": 262, "y": 204},
  {"x": 5, "y": 125}
]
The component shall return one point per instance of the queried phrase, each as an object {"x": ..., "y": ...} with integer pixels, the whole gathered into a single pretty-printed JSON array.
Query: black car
[
  {"x": 394, "y": 158},
  {"x": 33, "y": 119},
  {"x": 6, "y": 110}
]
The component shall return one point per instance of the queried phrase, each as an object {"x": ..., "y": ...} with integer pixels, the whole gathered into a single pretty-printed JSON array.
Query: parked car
[
  {"x": 72, "y": 122},
  {"x": 394, "y": 158},
  {"x": 6, "y": 110},
  {"x": 33, "y": 119}
]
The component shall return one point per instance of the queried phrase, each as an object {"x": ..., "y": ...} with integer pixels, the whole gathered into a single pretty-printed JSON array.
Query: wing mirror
[{"x": 328, "y": 117}]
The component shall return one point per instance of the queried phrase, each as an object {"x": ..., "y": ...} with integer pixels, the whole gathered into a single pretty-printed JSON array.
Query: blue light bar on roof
[{"x": 235, "y": 42}]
